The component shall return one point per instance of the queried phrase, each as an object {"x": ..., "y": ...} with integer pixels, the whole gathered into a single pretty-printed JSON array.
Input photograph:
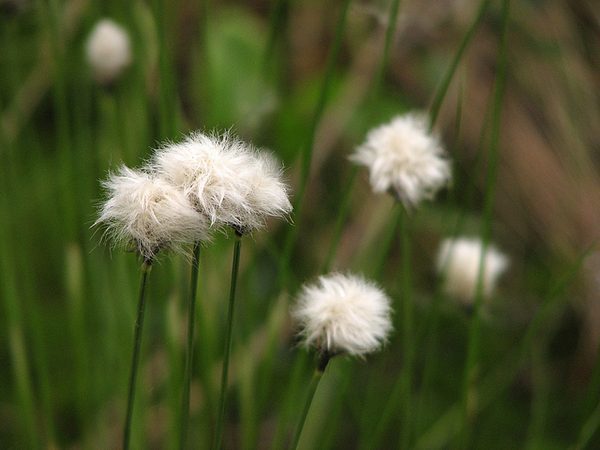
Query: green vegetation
[{"x": 512, "y": 91}]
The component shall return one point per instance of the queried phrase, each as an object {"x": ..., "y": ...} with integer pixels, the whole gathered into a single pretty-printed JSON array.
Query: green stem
[
  {"x": 202, "y": 53},
  {"x": 407, "y": 332},
  {"x": 470, "y": 371},
  {"x": 588, "y": 430},
  {"x": 430, "y": 353},
  {"x": 51, "y": 17},
  {"x": 592, "y": 397},
  {"x": 287, "y": 409},
  {"x": 12, "y": 302},
  {"x": 189, "y": 360},
  {"x": 24, "y": 383},
  {"x": 340, "y": 221},
  {"x": 277, "y": 21},
  {"x": 539, "y": 402},
  {"x": 389, "y": 36},
  {"x": 137, "y": 344},
  {"x": 439, "y": 96},
  {"x": 225, "y": 372},
  {"x": 431, "y": 333},
  {"x": 436, "y": 104},
  {"x": 432, "y": 328},
  {"x": 403, "y": 386},
  {"x": 23, "y": 388},
  {"x": 306, "y": 156},
  {"x": 385, "y": 418},
  {"x": 168, "y": 95},
  {"x": 591, "y": 425},
  {"x": 501, "y": 377},
  {"x": 345, "y": 203},
  {"x": 324, "y": 358}
]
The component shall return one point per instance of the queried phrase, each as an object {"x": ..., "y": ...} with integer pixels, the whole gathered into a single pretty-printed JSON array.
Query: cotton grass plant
[
  {"x": 150, "y": 215},
  {"x": 231, "y": 182},
  {"x": 189, "y": 189},
  {"x": 339, "y": 314},
  {"x": 469, "y": 388},
  {"x": 406, "y": 160},
  {"x": 59, "y": 132},
  {"x": 234, "y": 185}
]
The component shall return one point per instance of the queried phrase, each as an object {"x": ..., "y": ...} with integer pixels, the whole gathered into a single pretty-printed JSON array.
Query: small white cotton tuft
[
  {"x": 343, "y": 314},
  {"x": 459, "y": 261},
  {"x": 227, "y": 179},
  {"x": 150, "y": 213},
  {"x": 404, "y": 159},
  {"x": 108, "y": 50}
]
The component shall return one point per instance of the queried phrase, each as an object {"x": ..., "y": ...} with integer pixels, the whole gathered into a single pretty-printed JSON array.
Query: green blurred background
[{"x": 260, "y": 68}]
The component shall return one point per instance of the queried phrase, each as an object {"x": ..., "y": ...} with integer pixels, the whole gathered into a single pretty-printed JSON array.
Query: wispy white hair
[
  {"x": 150, "y": 213},
  {"x": 405, "y": 159},
  {"x": 227, "y": 179},
  {"x": 343, "y": 314}
]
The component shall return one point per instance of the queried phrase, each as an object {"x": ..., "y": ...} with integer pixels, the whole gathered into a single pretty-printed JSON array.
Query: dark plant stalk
[
  {"x": 189, "y": 359},
  {"x": 23, "y": 383},
  {"x": 343, "y": 212},
  {"x": 277, "y": 22},
  {"x": 378, "y": 81},
  {"x": 16, "y": 298},
  {"x": 470, "y": 371},
  {"x": 401, "y": 392},
  {"x": 228, "y": 333},
  {"x": 437, "y": 101},
  {"x": 288, "y": 403},
  {"x": 137, "y": 344},
  {"x": 541, "y": 391},
  {"x": 50, "y": 15},
  {"x": 387, "y": 239},
  {"x": 407, "y": 331},
  {"x": 388, "y": 412},
  {"x": 430, "y": 334},
  {"x": 501, "y": 377},
  {"x": 306, "y": 156},
  {"x": 324, "y": 358},
  {"x": 589, "y": 429},
  {"x": 167, "y": 99},
  {"x": 592, "y": 423},
  {"x": 436, "y": 104},
  {"x": 389, "y": 36}
]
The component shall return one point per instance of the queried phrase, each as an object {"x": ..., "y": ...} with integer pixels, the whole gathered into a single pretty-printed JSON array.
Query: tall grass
[
  {"x": 471, "y": 371},
  {"x": 137, "y": 345},
  {"x": 68, "y": 302}
]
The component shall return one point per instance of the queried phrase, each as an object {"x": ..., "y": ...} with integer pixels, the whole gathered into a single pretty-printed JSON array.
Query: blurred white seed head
[
  {"x": 150, "y": 213},
  {"x": 108, "y": 50},
  {"x": 405, "y": 159},
  {"x": 459, "y": 260},
  {"x": 227, "y": 179},
  {"x": 343, "y": 314}
]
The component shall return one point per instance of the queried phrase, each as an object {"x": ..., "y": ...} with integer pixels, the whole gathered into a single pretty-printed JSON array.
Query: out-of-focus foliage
[{"x": 68, "y": 303}]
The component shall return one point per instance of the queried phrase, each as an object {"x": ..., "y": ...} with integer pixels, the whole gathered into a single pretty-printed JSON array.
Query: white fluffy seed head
[
  {"x": 228, "y": 180},
  {"x": 459, "y": 261},
  {"x": 149, "y": 213},
  {"x": 108, "y": 50},
  {"x": 343, "y": 314},
  {"x": 405, "y": 159}
]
